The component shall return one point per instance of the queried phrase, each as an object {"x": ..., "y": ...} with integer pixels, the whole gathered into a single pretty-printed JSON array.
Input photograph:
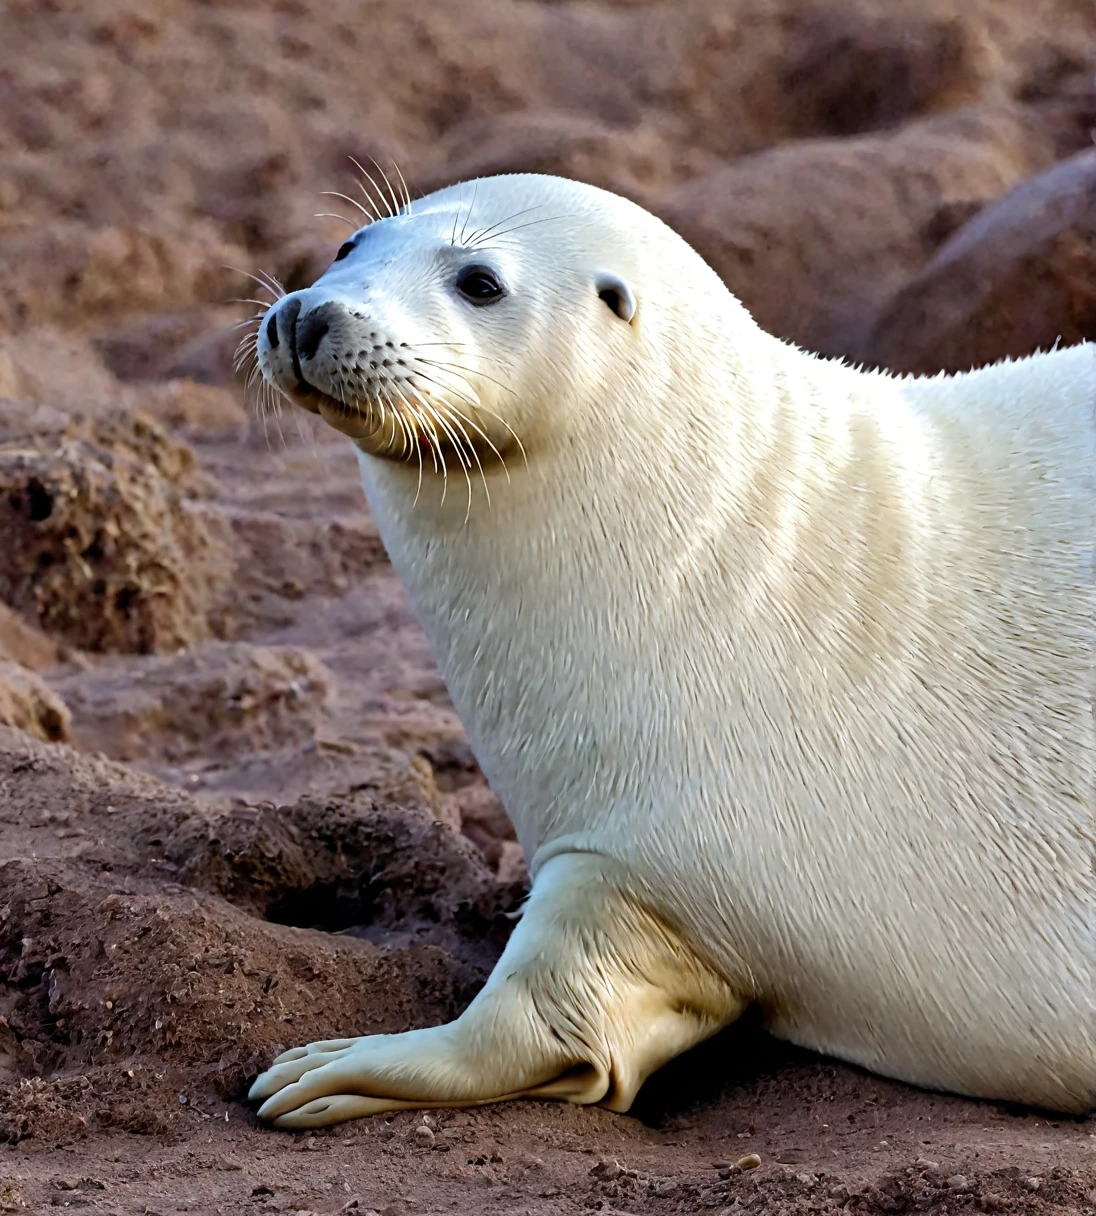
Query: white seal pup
[{"x": 784, "y": 670}]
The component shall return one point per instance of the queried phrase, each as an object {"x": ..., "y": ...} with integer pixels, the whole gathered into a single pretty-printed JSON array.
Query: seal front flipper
[{"x": 592, "y": 994}]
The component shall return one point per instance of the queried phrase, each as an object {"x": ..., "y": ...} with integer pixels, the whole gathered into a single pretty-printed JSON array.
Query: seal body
[{"x": 784, "y": 670}]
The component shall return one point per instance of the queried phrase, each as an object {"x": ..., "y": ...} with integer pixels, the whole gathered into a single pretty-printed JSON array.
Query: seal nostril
[
  {"x": 272, "y": 330},
  {"x": 291, "y": 311},
  {"x": 310, "y": 333}
]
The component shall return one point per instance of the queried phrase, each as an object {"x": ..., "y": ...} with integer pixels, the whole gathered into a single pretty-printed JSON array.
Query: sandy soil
[{"x": 237, "y": 811}]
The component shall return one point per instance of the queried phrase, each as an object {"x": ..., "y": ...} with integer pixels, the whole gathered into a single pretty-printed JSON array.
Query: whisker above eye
[
  {"x": 273, "y": 286},
  {"x": 370, "y": 217},
  {"x": 498, "y": 236},
  {"x": 406, "y": 192},
  {"x": 386, "y": 203},
  {"x": 334, "y": 215},
  {"x": 396, "y": 203}
]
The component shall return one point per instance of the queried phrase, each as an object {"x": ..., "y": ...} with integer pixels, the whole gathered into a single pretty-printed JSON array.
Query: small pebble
[
  {"x": 958, "y": 1182},
  {"x": 750, "y": 1162},
  {"x": 423, "y": 1136},
  {"x": 1033, "y": 1184}
]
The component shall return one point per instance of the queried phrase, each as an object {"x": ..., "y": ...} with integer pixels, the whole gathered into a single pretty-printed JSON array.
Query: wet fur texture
[{"x": 783, "y": 670}]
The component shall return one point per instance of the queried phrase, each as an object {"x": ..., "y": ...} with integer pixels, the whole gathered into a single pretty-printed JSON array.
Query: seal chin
[
  {"x": 361, "y": 425},
  {"x": 300, "y": 394},
  {"x": 352, "y": 421}
]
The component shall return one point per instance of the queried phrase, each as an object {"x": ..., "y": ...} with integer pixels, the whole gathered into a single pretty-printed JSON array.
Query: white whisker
[
  {"x": 277, "y": 290},
  {"x": 458, "y": 370},
  {"x": 334, "y": 215},
  {"x": 352, "y": 201},
  {"x": 471, "y": 207},
  {"x": 458, "y": 420},
  {"x": 484, "y": 436},
  {"x": 406, "y": 192},
  {"x": 387, "y": 205},
  {"x": 498, "y": 236},
  {"x": 384, "y": 177},
  {"x": 465, "y": 463},
  {"x": 481, "y": 233},
  {"x": 272, "y": 283},
  {"x": 377, "y": 208}
]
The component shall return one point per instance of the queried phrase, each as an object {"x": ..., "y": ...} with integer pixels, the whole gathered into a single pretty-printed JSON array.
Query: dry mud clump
[
  {"x": 223, "y": 695},
  {"x": 145, "y": 937},
  {"x": 28, "y": 702},
  {"x": 105, "y": 545}
]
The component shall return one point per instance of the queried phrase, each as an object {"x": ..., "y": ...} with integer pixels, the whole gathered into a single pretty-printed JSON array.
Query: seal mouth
[
  {"x": 308, "y": 396},
  {"x": 354, "y": 421},
  {"x": 376, "y": 429},
  {"x": 390, "y": 399}
]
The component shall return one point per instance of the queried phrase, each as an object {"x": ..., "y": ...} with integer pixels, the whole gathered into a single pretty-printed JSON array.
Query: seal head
[{"x": 411, "y": 341}]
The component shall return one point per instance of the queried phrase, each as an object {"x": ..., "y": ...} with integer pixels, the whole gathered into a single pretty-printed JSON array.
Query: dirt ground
[{"x": 237, "y": 811}]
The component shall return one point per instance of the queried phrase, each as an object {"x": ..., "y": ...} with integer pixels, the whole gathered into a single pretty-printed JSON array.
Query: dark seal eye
[
  {"x": 479, "y": 285},
  {"x": 344, "y": 249}
]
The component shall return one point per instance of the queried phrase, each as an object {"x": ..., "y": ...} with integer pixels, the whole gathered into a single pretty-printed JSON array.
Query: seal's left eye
[
  {"x": 344, "y": 249},
  {"x": 479, "y": 285}
]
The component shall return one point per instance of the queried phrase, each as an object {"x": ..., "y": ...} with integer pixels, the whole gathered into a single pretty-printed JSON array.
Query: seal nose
[
  {"x": 282, "y": 323},
  {"x": 311, "y": 330}
]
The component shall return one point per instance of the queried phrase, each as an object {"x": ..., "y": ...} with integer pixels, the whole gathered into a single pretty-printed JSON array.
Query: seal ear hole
[{"x": 619, "y": 297}]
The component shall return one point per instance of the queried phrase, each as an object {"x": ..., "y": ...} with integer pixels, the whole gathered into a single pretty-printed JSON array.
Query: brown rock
[
  {"x": 138, "y": 436},
  {"x": 60, "y": 369},
  {"x": 281, "y": 558},
  {"x": 198, "y": 411},
  {"x": 851, "y": 70},
  {"x": 34, "y": 1108},
  {"x": 628, "y": 160},
  {"x": 479, "y": 805},
  {"x": 28, "y": 703},
  {"x": 195, "y": 343},
  {"x": 1019, "y": 277},
  {"x": 812, "y": 236},
  {"x": 223, "y": 697},
  {"x": 21, "y": 642},
  {"x": 77, "y": 271},
  {"x": 104, "y": 544},
  {"x": 510, "y": 867}
]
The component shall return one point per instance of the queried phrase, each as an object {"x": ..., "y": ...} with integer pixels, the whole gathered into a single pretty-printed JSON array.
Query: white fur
[{"x": 799, "y": 658}]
